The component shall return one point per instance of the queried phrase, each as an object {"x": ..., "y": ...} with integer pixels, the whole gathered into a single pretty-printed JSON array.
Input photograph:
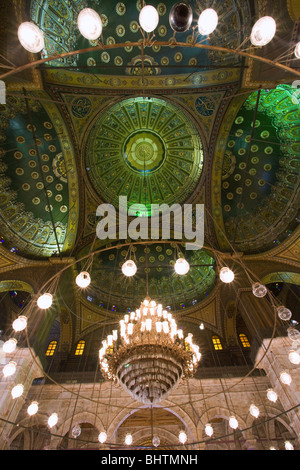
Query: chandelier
[{"x": 150, "y": 355}]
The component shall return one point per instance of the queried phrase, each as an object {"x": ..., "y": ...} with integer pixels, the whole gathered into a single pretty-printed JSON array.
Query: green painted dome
[{"x": 146, "y": 149}]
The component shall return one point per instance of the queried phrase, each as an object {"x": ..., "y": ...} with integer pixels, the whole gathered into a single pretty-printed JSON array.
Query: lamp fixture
[
  {"x": 150, "y": 356},
  {"x": 226, "y": 275},
  {"x": 181, "y": 266},
  {"x": 181, "y": 17},
  {"x": 83, "y": 279},
  {"x": 148, "y": 18},
  {"x": 33, "y": 408},
  {"x": 45, "y": 301},
  {"x": 89, "y": 24},
  {"x": 17, "y": 391},
  {"x": 263, "y": 31},
  {"x": 20, "y": 323},
  {"x": 208, "y": 21},
  {"x": 31, "y": 37}
]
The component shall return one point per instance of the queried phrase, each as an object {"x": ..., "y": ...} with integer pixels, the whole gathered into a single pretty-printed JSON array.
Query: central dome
[{"x": 146, "y": 149}]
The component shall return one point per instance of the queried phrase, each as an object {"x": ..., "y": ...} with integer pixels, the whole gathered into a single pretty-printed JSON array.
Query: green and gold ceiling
[
  {"x": 145, "y": 149},
  {"x": 260, "y": 173},
  {"x": 120, "y": 25},
  {"x": 39, "y": 188}
]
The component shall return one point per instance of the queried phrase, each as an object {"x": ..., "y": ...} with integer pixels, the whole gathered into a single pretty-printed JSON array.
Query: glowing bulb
[
  {"x": 33, "y": 408},
  {"x": 284, "y": 313},
  {"x": 52, "y": 421},
  {"x": 182, "y": 266},
  {"x": 83, "y": 280},
  {"x": 254, "y": 411},
  {"x": 182, "y": 437},
  {"x": 259, "y": 290},
  {"x": 148, "y": 18},
  {"x": 297, "y": 50},
  {"x": 129, "y": 268},
  {"x": 209, "y": 430},
  {"x": 128, "y": 439},
  {"x": 20, "y": 323},
  {"x": 31, "y": 37},
  {"x": 9, "y": 369},
  {"x": 233, "y": 423},
  {"x": 285, "y": 378},
  {"x": 158, "y": 326},
  {"x": 201, "y": 326},
  {"x": 288, "y": 445},
  {"x": 208, "y": 21},
  {"x": 10, "y": 345},
  {"x": 102, "y": 437},
  {"x": 130, "y": 328},
  {"x": 17, "y": 391},
  {"x": 89, "y": 24},
  {"x": 294, "y": 357},
  {"x": 44, "y": 301},
  {"x": 148, "y": 324},
  {"x": 263, "y": 31},
  {"x": 226, "y": 275},
  {"x": 272, "y": 395}
]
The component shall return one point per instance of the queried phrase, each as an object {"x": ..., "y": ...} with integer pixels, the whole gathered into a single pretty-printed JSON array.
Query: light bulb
[
  {"x": 148, "y": 18},
  {"x": 45, "y": 301},
  {"x": 294, "y": 357},
  {"x": 83, "y": 280},
  {"x": 254, "y": 411},
  {"x": 102, "y": 437},
  {"x": 155, "y": 441},
  {"x": 297, "y": 50},
  {"x": 284, "y": 313},
  {"x": 9, "y": 369},
  {"x": 182, "y": 437},
  {"x": 233, "y": 423},
  {"x": 33, "y": 408},
  {"x": 17, "y": 391},
  {"x": 263, "y": 31},
  {"x": 10, "y": 345},
  {"x": 20, "y": 323},
  {"x": 272, "y": 395},
  {"x": 76, "y": 431},
  {"x": 52, "y": 421},
  {"x": 288, "y": 445},
  {"x": 201, "y": 326},
  {"x": 259, "y": 290},
  {"x": 285, "y": 378},
  {"x": 208, "y": 21},
  {"x": 31, "y": 37},
  {"x": 128, "y": 439},
  {"x": 226, "y": 275},
  {"x": 129, "y": 268},
  {"x": 293, "y": 334},
  {"x": 209, "y": 430},
  {"x": 89, "y": 24},
  {"x": 182, "y": 266}
]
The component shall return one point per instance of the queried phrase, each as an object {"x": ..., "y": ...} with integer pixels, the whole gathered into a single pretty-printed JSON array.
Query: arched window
[
  {"x": 244, "y": 340},
  {"x": 51, "y": 348},
  {"x": 217, "y": 343},
  {"x": 79, "y": 348}
]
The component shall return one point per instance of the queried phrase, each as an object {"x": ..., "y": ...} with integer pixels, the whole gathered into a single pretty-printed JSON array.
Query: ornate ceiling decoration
[
  {"x": 260, "y": 172},
  {"x": 38, "y": 179},
  {"x": 120, "y": 24},
  {"x": 145, "y": 149}
]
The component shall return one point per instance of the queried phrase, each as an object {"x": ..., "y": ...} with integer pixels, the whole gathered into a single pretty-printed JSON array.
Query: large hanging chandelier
[{"x": 150, "y": 355}]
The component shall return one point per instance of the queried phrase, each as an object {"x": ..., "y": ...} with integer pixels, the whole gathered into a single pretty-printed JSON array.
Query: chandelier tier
[{"x": 150, "y": 356}]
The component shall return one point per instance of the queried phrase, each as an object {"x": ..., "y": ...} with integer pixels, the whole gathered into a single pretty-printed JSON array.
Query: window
[
  {"x": 51, "y": 348},
  {"x": 217, "y": 343},
  {"x": 244, "y": 340},
  {"x": 80, "y": 348}
]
